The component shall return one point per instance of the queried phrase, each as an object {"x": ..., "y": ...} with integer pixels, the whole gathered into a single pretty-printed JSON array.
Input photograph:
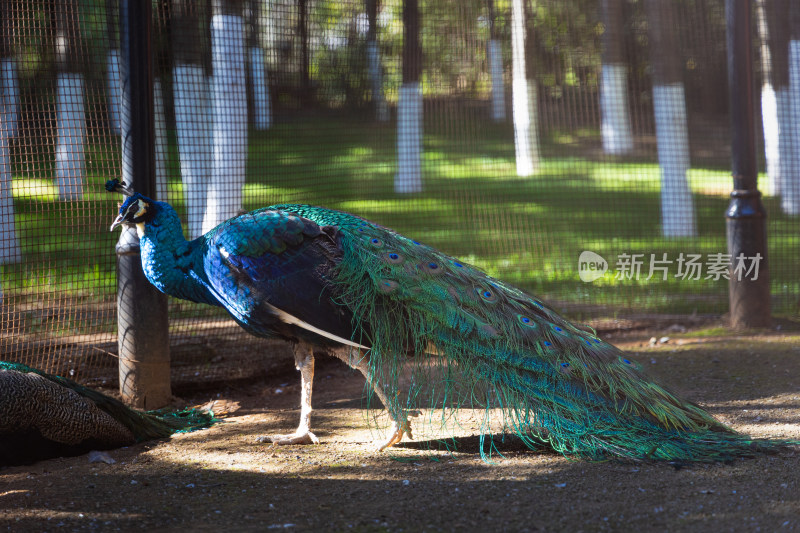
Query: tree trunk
[
  {"x": 162, "y": 13},
  {"x": 524, "y": 98},
  {"x": 114, "y": 90},
  {"x": 262, "y": 112},
  {"x": 790, "y": 183},
  {"x": 160, "y": 139},
  {"x": 70, "y": 114},
  {"x": 374, "y": 62},
  {"x": 494, "y": 55},
  {"x": 773, "y": 28},
  {"x": 615, "y": 119},
  {"x": 9, "y": 116},
  {"x": 305, "y": 61},
  {"x": 669, "y": 106},
  {"x": 230, "y": 114},
  {"x": 192, "y": 117},
  {"x": 409, "y": 107}
]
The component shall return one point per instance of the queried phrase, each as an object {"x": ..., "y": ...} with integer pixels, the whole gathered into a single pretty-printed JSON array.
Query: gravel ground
[{"x": 221, "y": 479}]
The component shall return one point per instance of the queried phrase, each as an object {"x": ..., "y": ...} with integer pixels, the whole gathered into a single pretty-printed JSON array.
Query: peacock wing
[{"x": 272, "y": 271}]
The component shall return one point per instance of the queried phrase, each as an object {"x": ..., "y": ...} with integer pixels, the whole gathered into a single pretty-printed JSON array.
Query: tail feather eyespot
[
  {"x": 432, "y": 267},
  {"x": 487, "y": 295},
  {"x": 393, "y": 258},
  {"x": 387, "y": 286}
]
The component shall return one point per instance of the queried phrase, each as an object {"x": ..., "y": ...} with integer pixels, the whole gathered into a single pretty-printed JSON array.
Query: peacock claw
[
  {"x": 287, "y": 440},
  {"x": 398, "y": 429}
]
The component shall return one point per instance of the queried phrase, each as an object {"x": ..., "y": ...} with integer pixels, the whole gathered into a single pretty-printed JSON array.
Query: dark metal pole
[
  {"x": 142, "y": 329},
  {"x": 746, "y": 216}
]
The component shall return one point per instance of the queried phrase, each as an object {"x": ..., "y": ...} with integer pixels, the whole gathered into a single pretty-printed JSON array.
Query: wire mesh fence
[{"x": 517, "y": 135}]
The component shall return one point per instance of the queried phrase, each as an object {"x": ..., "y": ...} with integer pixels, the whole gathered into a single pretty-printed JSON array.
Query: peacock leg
[
  {"x": 304, "y": 362},
  {"x": 400, "y": 422}
]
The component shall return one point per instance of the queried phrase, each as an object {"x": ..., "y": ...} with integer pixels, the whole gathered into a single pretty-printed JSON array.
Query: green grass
[{"x": 528, "y": 231}]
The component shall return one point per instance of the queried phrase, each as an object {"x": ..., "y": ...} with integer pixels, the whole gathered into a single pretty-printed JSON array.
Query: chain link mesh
[{"x": 527, "y": 134}]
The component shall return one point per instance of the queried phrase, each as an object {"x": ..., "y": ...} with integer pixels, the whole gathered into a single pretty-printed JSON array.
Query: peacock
[
  {"x": 334, "y": 282},
  {"x": 44, "y": 416}
]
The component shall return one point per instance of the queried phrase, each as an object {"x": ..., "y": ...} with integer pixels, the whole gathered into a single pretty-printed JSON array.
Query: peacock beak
[{"x": 117, "y": 221}]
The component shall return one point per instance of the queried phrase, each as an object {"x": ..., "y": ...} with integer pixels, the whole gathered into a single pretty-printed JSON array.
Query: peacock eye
[
  {"x": 486, "y": 295},
  {"x": 527, "y": 322},
  {"x": 432, "y": 268},
  {"x": 393, "y": 258},
  {"x": 387, "y": 285}
]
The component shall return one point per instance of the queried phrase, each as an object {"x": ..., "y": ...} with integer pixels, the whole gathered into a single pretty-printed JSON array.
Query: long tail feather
[{"x": 555, "y": 382}]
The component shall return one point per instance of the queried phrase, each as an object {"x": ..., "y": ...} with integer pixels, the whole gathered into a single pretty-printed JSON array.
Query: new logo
[{"x": 591, "y": 266}]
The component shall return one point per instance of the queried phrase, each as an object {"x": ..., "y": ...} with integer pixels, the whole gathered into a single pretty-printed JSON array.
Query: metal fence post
[
  {"x": 749, "y": 293},
  {"x": 142, "y": 328}
]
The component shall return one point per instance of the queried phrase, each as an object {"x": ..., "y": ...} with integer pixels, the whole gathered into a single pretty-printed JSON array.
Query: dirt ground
[{"x": 221, "y": 479}]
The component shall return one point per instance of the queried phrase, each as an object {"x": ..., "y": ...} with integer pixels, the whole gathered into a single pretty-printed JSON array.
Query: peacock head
[{"x": 136, "y": 209}]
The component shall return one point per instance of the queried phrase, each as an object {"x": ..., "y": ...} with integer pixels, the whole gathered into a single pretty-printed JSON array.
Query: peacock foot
[
  {"x": 397, "y": 431},
  {"x": 305, "y": 437}
]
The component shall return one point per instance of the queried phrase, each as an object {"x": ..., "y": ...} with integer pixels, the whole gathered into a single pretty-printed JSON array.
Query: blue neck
[{"x": 170, "y": 262}]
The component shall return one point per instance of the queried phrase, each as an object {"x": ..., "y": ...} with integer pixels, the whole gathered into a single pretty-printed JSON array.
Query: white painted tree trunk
[
  {"x": 9, "y": 246},
  {"x": 114, "y": 91},
  {"x": 230, "y": 120},
  {"x": 776, "y": 121},
  {"x": 71, "y": 126},
  {"x": 677, "y": 207},
  {"x": 409, "y": 139},
  {"x": 615, "y": 119},
  {"x": 262, "y": 111},
  {"x": 524, "y": 101},
  {"x": 526, "y": 134},
  {"x": 790, "y": 180},
  {"x": 495, "y": 57},
  {"x": 9, "y": 109},
  {"x": 786, "y": 136},
  {"x": 769, "y": 121},
  {"x": 374, "y": 68},
  {"x": 9, "y": 90},
  {"x": 190, "y": 89},
  {"x": 160, "y": 133}
]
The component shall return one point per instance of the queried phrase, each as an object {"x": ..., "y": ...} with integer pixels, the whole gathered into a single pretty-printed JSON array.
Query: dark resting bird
[
  {"x": 378, "y": 300},
  {"x": 44, "y": 416}
]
